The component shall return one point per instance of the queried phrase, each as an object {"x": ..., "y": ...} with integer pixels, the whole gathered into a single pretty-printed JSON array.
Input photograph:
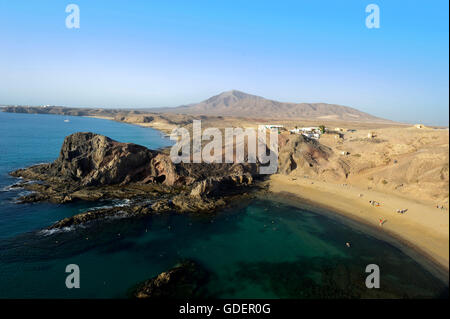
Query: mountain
[{"x": 240, "y": 104}]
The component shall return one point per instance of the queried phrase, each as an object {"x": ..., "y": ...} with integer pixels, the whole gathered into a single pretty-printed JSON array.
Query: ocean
[{"x": 253, "y": 249}]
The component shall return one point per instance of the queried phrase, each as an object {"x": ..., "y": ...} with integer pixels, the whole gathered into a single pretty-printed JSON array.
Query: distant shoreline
[{"x": 164, "y": 129}]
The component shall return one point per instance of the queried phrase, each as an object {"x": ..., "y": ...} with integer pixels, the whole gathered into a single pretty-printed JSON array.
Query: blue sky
[{"x": 167, "y": 53}]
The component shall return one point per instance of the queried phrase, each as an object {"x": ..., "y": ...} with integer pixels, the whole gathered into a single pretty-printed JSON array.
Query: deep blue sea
[{"x": 256, "y": 249}]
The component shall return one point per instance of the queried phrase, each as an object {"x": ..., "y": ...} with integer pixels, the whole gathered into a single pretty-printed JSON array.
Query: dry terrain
[
  {"x": 400, "y": 166},
  {"x": 237, "y": 103},
  {"x": 360, "y": 159}
]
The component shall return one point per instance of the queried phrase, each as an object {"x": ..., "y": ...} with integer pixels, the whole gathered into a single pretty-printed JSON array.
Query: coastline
[
  {"x": 289, "y": 193},
  {"x": 165, "y": 129},
  {"x": 426, "y": 240}
]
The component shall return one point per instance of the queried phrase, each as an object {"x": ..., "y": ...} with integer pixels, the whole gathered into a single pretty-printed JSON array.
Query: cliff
[{"x": 94, "y": 167}]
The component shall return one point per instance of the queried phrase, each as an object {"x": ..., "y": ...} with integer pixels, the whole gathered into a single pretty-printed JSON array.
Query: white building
[
  {"x": 278, "y": 128},
  {"x": 310, "y": 132},
  {"x": 274, "y": 126}
]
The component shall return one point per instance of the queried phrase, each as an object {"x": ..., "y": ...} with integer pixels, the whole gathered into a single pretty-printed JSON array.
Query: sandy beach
[
  {"x": 422, "y": 227},
  {"x": 165, "y": 128}
]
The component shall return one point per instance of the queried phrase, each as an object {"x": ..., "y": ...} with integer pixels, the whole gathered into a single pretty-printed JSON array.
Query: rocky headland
[{"x": 94, "y": 167}]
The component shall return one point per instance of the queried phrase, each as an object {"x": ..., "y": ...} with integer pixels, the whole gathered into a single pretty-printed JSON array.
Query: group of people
[{"x": 377, "y": 204}]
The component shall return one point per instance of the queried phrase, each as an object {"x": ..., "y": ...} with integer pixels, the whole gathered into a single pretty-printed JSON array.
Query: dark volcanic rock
[
  {"x": 89, "y": 162},
  {"x": 88, "y": 159},
  {"x": 185, "y": 280},
  {"x": 93, "y": 159},
  {"x": 181, "y": 203},
  {"x": 309, "y": 157},
  {"x": 300, "y": 151},
  {"x": 216, "y": 185},
  {"x": 192, "y": 204},
  {"x": 94, "y": 167},
  {"x": 88, "y": 216}
]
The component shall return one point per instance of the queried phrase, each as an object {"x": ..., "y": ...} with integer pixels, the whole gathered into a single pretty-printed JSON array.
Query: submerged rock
[
  {"x": 190, "y": 204},
  {"x": 185, "y": 280},
  {"x": 89, "y": 216}
]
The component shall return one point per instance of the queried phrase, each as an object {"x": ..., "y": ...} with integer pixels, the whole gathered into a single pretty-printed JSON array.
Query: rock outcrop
[
  {"x": 89, "y": 159},
  {"x": 213, "y": 185},
  {"x": 299, "y": 151},
  {"x": 307, "y": 156},
  {"x": 185, "y": 280},
  {"x": 93, "y": 159},
  {"x": 94, "y": 167}
]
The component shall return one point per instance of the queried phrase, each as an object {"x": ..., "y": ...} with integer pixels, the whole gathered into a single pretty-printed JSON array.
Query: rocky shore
[
  {"x": 184, "y": 280},
  {"x": 94, "y": 167}
]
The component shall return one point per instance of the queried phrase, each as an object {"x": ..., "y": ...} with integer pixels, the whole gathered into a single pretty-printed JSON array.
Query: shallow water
[{"x": 258, "y": 249}]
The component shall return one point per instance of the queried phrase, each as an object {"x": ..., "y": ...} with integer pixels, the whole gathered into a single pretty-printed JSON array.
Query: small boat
[{"x": 66, "y": 120}]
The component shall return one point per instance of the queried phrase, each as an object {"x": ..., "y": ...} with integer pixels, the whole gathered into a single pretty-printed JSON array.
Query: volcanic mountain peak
[
  {"x": 230, "y": 98},
  {"x": 240, "y": 104},
  {"x": 236, "y": 103}
]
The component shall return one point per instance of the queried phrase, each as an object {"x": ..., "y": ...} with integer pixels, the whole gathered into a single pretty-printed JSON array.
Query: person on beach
[
  {"x": 374, "y": 203},
  {"x": 381, "y": 222}
]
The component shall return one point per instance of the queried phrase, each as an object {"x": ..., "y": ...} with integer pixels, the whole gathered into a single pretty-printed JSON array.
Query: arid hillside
[
  {"x": 239, "y": 104},
  {"x": 230, "y": 104},
  {"x": 407, "y": 161},
  {"x": 399, "y": 158}
]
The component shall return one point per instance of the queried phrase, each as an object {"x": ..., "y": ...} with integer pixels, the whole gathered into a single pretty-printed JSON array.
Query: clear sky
[{"x": 167, "y": 53}]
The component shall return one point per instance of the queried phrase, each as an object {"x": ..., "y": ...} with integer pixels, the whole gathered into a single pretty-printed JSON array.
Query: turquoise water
[
  {"x": 257, "y": 249},
  {"x": 27, "y": 139}
]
